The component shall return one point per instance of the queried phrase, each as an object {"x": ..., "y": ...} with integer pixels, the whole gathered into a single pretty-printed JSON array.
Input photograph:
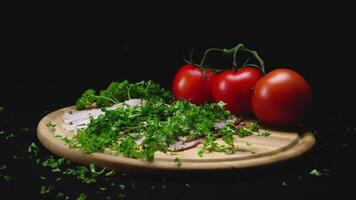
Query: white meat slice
[
  {"x": 181, "y": 146},
  {"x": 76, "y": 120}
]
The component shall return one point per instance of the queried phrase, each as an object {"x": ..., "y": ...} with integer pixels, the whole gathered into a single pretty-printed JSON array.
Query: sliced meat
[
  {"x": 134, "y": 102},
  {"x": 139, "y": 140},
  {"x": 181, "y": 146},
  {"x": 80, "y": 119},
  {"x": 221, "y": 124}
]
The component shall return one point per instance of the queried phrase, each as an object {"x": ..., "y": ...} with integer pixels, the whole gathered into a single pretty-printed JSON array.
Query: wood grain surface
[{"x": 253, "y": 151}]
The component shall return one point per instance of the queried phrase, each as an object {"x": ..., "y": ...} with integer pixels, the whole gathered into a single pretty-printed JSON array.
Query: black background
[{"x": 48, "y": 61}]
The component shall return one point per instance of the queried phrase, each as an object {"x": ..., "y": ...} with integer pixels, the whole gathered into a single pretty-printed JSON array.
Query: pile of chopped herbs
[
  {"x": 156, "y": 123},
  {"x": 120, "y": 91}
]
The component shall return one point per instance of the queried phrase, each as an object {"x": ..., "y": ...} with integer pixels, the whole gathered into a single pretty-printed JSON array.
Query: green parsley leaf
[
  {"x": 33, "y": 149},
  {"x": 110, "y": 173},
  {"x": 121, "y": 91},
  {"x": 51, "y": 127},
  {"x": 3, "y": 166},
  {"x": 11, "y": 135},
  {"x": 254, "y": 127},
  {"x": 82, "y": 196},
  {"x": 60, "y": 195},
  {"x": 263, "y": 133},
  {"x": 315, "y": 172},
  {"x": 121, "y": 187},
  {"x": 7, "y": 178},
  {"x": 178, "y": 161},
  {"x": 46, "y": 189}
]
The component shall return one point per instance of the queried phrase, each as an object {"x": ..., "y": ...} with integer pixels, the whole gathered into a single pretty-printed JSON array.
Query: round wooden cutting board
[{"x": 253, "y": 151}]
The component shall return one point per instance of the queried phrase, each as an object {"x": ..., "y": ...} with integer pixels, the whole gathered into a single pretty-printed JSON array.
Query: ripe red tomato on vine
[
  {"x": 193, "y": 83},
  {"x": 279, "y": 98},
  {"x": 235, "y": 87}
]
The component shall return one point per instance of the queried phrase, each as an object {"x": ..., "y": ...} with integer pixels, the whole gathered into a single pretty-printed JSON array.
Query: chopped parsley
[
  {"x": 121, "y": 91},
  {"x": 254, "y": 127},
  {"x": 53, "y": 164},
  {"x": 33, "y": 149},
  {"x": 60, "y": 194},
  {"x": 25, "y": 129},
  {"x": 3, "y": 166},
  {"x": 156, "y": 124},
  {"x": 46, "y": 189},
  {"x": 7, "y": 178},
  {"x": 263, "y": 133},
  {"x": 51, "y": 127},
  {"x": 82, "y": 196},
  {"x": 178, "y": 161},
  {"x": 110, "y": 173},
  {"x": 2, "y": 108},
  {"x": 315, "y": 172},
  {"x": 11, "y": 135},
  {"x": 121, "y": 187}
]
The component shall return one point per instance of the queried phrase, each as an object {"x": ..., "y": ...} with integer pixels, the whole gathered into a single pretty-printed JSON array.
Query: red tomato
[
  {"x": 281, "y": 98},
  {"x": 189, "y": 84},
  {"x": 235, "y": 88}
]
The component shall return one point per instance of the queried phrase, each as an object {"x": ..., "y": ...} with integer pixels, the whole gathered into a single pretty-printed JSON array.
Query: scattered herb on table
[
  {"x": 3, "y": 166},
  {"x": 11, "y": 135},
  {"x": 7, "y": 178},
  {"x": 82, "y": 196},
  {"x": 25, "y": 129},
  {"x": 46, "y": 189},
  {"x": 33, "y": 149},
  {"x": 121, "y": 187},
  {"x": 315, "y": 172},
  {"x": 53, "y": 163},
  {"x": 60, "y": 194}
]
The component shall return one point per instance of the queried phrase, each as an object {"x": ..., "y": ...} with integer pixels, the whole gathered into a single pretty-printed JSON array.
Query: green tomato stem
[
  {"x": 236, "y": 50},
  {"x": 206, "y": 53},
  {"x": 258, "y": 58}
]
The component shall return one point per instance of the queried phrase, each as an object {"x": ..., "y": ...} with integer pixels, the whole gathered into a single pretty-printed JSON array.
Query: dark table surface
[{"x": 48, "y": 68}]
